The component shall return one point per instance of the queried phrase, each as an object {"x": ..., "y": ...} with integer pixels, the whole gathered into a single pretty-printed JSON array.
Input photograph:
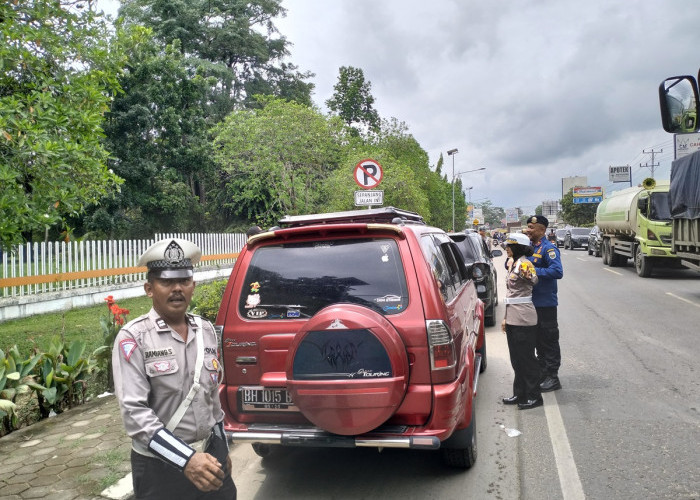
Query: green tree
[
  {"x": 577, "y": 214},
  {"x": 352, "y": 99},
  {"x": 273, "y": 159},
  {"x": 157, "y": 131},
  {"x": 492, "y": 215},
  {"x": 58, "y": 75},
  {"x": 400, "y": 186},
  {"x": 439, "y": 192},
  {"x": 240, "y": 34}
]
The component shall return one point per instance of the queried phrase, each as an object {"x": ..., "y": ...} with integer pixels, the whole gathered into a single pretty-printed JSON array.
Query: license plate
[{"x": 266, "y": 399}]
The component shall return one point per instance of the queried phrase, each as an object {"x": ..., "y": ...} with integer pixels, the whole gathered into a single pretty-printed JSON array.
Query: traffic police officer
[
  {"x": 166, "y": 377},
  {"x": 520, "y": 324},
  {"x": 547, "y": 261}
]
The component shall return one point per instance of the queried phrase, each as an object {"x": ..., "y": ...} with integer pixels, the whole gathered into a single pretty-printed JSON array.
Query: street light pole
[
  {"x": 452, "y": 153},
  {"x": 453, "y": 185}
]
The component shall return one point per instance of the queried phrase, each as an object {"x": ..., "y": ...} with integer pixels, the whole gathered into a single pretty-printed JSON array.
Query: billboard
[
  {"x": 622, "y": 173},
  {"x": 588, "y": 194}
]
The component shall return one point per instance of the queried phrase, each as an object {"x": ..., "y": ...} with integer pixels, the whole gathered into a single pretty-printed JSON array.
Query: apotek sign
[{"x": 623, "y": 173}]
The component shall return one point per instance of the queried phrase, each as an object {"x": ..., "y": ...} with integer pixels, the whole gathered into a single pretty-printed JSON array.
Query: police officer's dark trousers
[
  {"x": 156, "y": 480},
  {"x": 521, "y": 345},
  {"x": 548, "y": 352}
]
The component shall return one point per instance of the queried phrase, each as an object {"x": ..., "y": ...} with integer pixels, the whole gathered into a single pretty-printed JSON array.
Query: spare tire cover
[{"x": 347, "y": 369}]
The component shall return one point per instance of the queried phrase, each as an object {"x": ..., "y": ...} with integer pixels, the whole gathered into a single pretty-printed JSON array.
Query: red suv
[{"x": 358, "y": 328}]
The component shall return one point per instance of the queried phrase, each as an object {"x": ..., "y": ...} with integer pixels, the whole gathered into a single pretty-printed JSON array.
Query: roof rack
[{"x": 384, "y": 215}]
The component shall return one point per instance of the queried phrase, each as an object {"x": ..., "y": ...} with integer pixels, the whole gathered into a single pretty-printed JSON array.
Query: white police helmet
[
  {"x": 171, "y": 258},
  {"x": 517, "y": 239}
]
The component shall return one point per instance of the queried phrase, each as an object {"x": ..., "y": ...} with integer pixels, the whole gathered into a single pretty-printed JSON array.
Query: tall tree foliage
[
  {"x": 353, "y": 101},
  {"x": 57, "y": 73},
  {"x": 274, "y": 159},
  {"x": 157, "y": 131},
  {"x": 240, "y": 34}
]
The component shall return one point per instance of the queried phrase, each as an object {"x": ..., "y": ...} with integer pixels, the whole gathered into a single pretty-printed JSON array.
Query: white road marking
[
  {"x": 611, "y": 271},
  {"x": 570, "y": 483},
  {"x": 582, "y": 259},
  {"x": 684, "y": 300}
]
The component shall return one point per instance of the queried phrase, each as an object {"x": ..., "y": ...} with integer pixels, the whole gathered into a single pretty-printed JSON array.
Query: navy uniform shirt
[{"x": 547, "y": 261}]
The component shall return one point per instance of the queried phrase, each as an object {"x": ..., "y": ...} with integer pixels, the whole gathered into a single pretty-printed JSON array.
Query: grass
[{"x": 74, "y": 324}]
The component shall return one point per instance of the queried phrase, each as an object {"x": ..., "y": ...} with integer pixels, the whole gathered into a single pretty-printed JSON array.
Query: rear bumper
[
  {"x": 386, "y": 436},
  {"x": 317, "y": 438}
]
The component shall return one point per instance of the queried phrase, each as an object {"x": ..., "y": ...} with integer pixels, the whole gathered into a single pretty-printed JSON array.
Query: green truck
[
  {"x": 636, "y": 224},
  {"x": 680, "y": 107}
]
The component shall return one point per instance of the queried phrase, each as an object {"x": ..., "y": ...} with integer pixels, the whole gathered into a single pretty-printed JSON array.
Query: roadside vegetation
[{"x": 54, "y": 361}]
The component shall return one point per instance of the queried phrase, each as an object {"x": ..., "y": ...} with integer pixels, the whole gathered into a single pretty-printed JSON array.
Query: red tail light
[{"x": 441, "y": 344}]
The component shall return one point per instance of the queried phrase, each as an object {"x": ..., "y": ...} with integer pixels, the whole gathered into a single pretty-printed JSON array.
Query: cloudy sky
[{"x": 533, "y": 90}]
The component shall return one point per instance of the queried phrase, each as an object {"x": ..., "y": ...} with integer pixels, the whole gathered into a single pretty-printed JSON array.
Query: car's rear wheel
[
  {"x": 482, "y": 352},
  {"x": 347, "y": 369},
  {"x": 490, "y": 314},
  {"x": 266, "y": 451},
  {"x": 590, "y": 250},
  {"x": 460, "y": 449}
]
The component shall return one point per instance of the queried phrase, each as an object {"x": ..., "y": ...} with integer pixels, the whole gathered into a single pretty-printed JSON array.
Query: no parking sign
[{"x": 368, "y": 173}]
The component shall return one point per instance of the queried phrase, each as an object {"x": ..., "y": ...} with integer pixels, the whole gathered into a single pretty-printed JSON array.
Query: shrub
[{"x": 207, "y": 299}]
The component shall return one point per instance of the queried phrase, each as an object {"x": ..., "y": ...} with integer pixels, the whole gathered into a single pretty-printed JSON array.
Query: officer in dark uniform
[
  {"x": 166, "y": 377},
  {"x": 547, "y": 261}
]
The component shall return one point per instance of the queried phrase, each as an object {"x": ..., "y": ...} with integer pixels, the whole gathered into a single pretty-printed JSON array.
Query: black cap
[{"x": 538, "y": 219}]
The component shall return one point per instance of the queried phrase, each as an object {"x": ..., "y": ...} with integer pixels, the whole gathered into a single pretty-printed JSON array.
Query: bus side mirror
[{"x": 678, "y": 100}]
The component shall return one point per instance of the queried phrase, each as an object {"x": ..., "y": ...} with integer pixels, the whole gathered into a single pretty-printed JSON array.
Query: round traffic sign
[{"x": 368, "y": 173}]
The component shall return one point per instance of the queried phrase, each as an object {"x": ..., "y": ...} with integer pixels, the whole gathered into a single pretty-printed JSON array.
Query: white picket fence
[{"x": 36, "y": 268}]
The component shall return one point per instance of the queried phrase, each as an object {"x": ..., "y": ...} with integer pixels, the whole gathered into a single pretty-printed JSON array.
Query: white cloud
[{"x": 533, "y": 90}]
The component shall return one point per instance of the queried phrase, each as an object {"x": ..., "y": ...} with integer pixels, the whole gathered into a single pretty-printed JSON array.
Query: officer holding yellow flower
[{"x": 520, "y": 324}]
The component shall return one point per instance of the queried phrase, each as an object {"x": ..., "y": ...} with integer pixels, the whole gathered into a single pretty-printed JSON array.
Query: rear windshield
[
  {"x": 296, "y": 280},
  {"x": 470, "y": 250}
]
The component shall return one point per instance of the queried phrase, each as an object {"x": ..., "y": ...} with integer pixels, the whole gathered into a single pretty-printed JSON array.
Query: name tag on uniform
[{"x": 165, "y": 352}]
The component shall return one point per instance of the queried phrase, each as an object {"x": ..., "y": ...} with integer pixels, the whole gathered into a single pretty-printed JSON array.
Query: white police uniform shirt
[
  {"x": 519, "y": 286},
  {"x": 153, "y": 372}
]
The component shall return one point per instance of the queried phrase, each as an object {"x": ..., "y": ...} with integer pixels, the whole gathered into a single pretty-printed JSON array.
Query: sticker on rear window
[
  {"x": 252, "y": 301},
  {"x": 388, "y": 298},
  {"x": 257, "y": 313},
  {"x": 293, "y": 313}
]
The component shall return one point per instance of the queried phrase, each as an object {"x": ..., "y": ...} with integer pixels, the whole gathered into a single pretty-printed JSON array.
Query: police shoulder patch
[
  {"x": 552, "y": 253},
  {"x": 127, "y": 346}
]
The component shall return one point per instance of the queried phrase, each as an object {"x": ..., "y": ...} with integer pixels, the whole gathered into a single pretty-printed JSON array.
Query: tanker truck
[
  {"x": 636, "y": 224},
  {"x": 678, "y": 98}
]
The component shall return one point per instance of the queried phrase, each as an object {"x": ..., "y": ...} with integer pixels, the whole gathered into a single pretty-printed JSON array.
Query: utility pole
[{"x": 646, "y": 165}]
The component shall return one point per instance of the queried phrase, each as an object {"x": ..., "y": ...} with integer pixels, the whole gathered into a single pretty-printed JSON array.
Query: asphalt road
[{"x": 625, "y": 425}]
